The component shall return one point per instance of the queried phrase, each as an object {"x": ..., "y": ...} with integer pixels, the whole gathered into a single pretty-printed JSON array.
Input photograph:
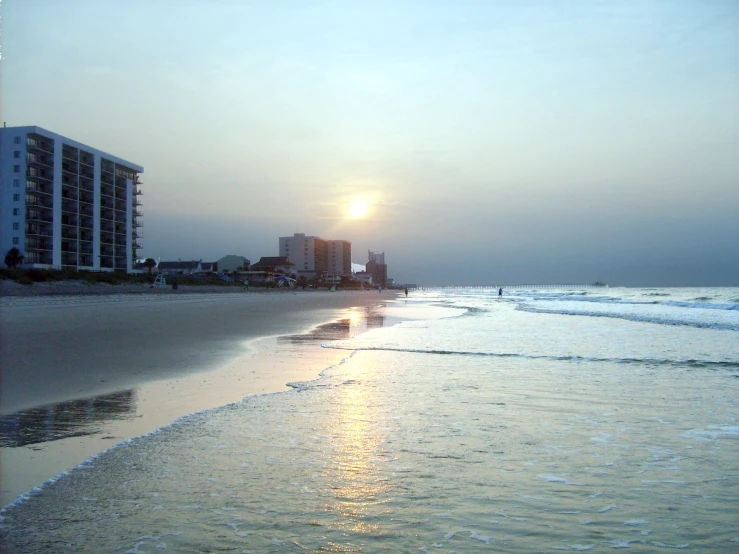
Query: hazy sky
[{"x": 491, "y": 141}]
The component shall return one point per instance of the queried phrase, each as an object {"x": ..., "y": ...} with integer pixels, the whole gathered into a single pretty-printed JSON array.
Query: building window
[
  {"x": 17, "y": 154},
  {"x": 16, "y": 226},
  {"x": 16, "y": 169},
  {"x": 16, "y": 140},
  {"x": 15, "y": 240},
  {"x": 16, "y": 197},
  {"x": 16, "y": 211},
  {"x": 16, "y": 182}
]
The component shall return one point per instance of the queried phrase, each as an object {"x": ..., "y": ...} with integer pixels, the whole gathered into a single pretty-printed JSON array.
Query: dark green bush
[{"x": 37, "y": 275}]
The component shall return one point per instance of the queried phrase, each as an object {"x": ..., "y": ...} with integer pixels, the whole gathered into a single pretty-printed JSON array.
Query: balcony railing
[
  {"x": 40, "y": 201},
  {"x": 33, "y": 143},
  {"x": 37, "y": 160},
  {"x": 39, "y": 215},
  {"x": 35, "y": 186}
]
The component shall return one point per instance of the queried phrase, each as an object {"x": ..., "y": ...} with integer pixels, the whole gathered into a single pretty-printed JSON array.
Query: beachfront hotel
[
  {"x": 316, "y": 256},
  {"x": 67, "y": 205},
  {"x": 377, "y": 267}
]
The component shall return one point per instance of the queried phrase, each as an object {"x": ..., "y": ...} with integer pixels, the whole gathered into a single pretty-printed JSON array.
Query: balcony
[
  {"x": 34, "y": 243},
  {"x": 38, "y": 172},
  {"x": 69, "y": 233},
  {"x": 39, "y": 200},
  {"x": 137, "y": 192},
  {"x": 69, "y": 259},
  {"x": 39, "y": 229},
  {"x": 38, "y": 257},
  {"x": 69, "y": 207},
  {"x": 69, "y": 194},
  {"x": 38, "y": 142},
  {"x": 41, "y": 216},
  {"x": 38, "y": 160},
  {"x": 37, "y": 186}
]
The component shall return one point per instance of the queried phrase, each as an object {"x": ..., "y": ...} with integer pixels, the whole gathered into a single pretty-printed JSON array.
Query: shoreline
[{"x": 279, "y": 344}]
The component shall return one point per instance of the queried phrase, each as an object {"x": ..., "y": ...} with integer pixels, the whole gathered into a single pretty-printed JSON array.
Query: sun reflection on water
[{"x": 352, "y": 469}]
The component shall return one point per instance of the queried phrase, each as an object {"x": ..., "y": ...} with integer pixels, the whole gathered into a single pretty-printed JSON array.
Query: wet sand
[{"x": 81, "y": 373}]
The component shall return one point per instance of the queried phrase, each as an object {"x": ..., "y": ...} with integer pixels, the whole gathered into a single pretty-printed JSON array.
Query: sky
[{"x": 474, "y": 142}]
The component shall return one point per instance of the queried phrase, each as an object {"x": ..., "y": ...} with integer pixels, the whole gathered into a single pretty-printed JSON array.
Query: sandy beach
[{"x": 132, "y": 360}]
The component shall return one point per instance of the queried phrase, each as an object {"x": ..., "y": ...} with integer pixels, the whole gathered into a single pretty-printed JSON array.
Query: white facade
[
  {"x": 309, "y": 254},
  {"x": 65, "y": 204}
]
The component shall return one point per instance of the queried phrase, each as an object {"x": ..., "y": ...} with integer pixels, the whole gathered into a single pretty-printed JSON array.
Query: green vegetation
[{"x": 30, "y": 276}]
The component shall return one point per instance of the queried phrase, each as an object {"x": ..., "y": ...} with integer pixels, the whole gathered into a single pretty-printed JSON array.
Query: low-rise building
[
  {"x": 274, "y": 263},
  {"x": 233, "y": 263}
]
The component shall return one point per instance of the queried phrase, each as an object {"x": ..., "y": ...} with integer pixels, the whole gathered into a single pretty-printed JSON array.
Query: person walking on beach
[
  {"x": 500, "y": 291},
  {"x": 406, "y": 293}
]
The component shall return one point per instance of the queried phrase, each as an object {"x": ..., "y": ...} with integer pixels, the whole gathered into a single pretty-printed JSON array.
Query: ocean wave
[
  {"x": 652, "y": 362},
  {"x": 642, "y": 318},
  {"x": 702, "y": 302},
  {"x": 702, "y": 305}
]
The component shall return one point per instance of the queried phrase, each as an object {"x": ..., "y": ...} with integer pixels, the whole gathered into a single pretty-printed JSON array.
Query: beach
[
  {"x": 448, "y": 421},
  {"x": 139, "y": 358}
]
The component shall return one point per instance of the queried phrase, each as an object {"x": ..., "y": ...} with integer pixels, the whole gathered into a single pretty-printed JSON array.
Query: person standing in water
[
  {"x": 500, "y": 291},
  {"x": 406, "y": 293}
]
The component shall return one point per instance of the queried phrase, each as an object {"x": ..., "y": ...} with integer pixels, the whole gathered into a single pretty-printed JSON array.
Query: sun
[{"x": 357, "y": 210}]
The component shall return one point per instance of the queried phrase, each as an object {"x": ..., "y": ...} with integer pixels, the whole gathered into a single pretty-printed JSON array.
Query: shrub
[{"x": 37, "y": 275}]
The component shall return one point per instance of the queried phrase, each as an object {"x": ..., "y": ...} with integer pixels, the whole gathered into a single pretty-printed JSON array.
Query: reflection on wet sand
[
  {"x": 72, "y": 418},
  {"x": 359, "y": 321}
]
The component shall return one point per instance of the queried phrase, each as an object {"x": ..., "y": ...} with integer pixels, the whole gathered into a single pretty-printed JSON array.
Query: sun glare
[{"x": 357, "y": 210}]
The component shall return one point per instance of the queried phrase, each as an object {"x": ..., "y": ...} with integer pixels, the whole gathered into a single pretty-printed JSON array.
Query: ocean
[{"x": 545, "y": 420}]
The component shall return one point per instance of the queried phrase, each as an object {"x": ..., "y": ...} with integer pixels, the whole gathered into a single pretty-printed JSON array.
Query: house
[
  {"x": 233, "y": 263},
  {"x": 274, "y": 263},
  {"x": 364, "y": 277},
  {"x": 209, "y": 267},
  {"x": 180, "y": 267}
]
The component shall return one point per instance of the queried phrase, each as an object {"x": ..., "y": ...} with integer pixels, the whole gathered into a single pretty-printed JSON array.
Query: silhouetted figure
[
  {"x": 406, "y": 293},
  {"x": 500, "y": 291}
]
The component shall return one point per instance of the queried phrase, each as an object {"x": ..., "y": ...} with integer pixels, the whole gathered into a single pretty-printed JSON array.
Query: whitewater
[{"x": 545, "y": 420}]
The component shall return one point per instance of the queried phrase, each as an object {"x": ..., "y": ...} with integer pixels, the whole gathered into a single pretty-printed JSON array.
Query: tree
[
  {"x": 14, "y": 258},
  {"x": 150, "y": 263}
]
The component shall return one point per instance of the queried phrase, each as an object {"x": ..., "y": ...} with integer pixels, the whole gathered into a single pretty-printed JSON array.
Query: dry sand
[{"x": 167, "y": 354}]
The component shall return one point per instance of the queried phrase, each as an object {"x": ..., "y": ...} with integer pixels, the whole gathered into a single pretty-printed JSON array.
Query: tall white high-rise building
[
  {"x": 317, "y": 256},
  {"x": 67, "y": 205}
]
